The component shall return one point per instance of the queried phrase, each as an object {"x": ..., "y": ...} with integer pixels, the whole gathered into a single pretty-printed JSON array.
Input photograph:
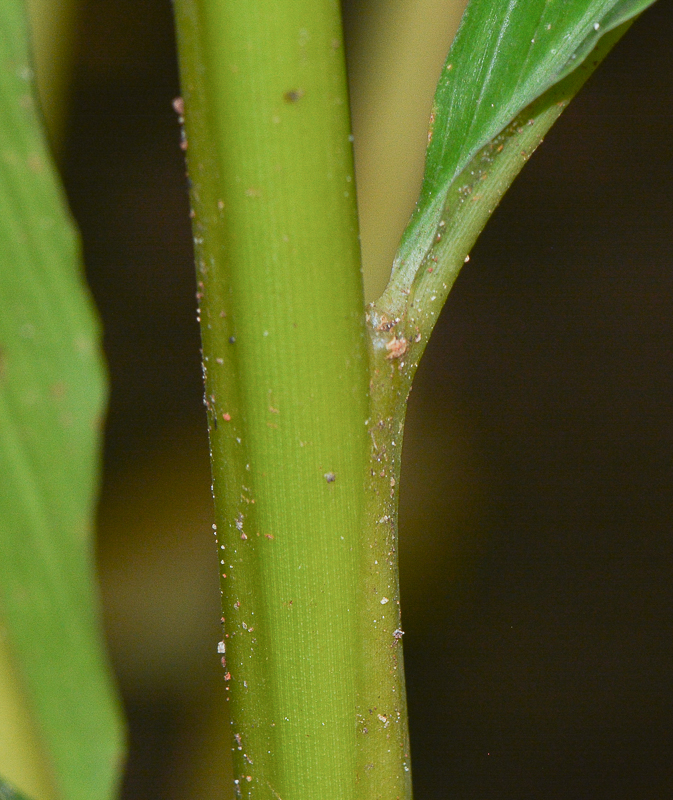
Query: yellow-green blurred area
[{"x": 537, "y": 498}]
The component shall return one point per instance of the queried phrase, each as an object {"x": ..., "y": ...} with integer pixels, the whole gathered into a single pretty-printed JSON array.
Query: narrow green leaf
[
  {"x": 504, "y": 56},
  {"x": 52, "y": 396}
]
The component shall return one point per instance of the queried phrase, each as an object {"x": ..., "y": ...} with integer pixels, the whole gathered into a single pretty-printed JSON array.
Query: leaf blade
[
  {"x": 52, "y": 396},
  {"x": 504, "y": 57}
]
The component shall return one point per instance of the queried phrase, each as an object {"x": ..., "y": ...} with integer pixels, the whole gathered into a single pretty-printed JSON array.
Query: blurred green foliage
[{"x": 52, "y": 399}]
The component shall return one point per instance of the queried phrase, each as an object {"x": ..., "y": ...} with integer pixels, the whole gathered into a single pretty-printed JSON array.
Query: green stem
[
  {"x": 384, "y": 759},
  {"x": 286, "y": 378}
]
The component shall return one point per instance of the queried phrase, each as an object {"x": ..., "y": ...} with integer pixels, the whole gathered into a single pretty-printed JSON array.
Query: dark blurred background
[{"x": 537, "y": 493}]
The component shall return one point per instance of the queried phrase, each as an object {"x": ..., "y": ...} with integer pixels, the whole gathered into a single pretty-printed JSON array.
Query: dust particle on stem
[{"x": 293, "y": 95}]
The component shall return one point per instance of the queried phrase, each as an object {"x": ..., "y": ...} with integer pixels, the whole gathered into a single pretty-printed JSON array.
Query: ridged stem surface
[{"x": 285, "y": 361}]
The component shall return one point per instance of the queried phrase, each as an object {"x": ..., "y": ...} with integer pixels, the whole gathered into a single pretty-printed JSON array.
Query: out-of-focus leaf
[
  {"x": 505, "y": 55},
  {"x": 53, "y": 26},
  {"x": 8, "y": 792},
  {"x": 52, "y": 396}
]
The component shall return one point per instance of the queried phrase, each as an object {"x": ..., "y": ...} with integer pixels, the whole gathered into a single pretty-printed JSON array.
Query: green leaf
[
  {"x": 506, "y": 54},
  {"x": 52, "y": 397},
  {"x": 8, "y": 792}
]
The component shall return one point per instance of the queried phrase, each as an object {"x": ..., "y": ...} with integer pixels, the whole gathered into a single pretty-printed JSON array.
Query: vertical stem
[
  {"x": 286, "y": 372},
  {"x": 384, "y": 762}
]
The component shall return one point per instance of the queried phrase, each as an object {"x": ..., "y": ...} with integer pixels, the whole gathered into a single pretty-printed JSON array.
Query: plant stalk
[
  {"x": 286, "y": 367},
  {"x": 383, "y": 735}
]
